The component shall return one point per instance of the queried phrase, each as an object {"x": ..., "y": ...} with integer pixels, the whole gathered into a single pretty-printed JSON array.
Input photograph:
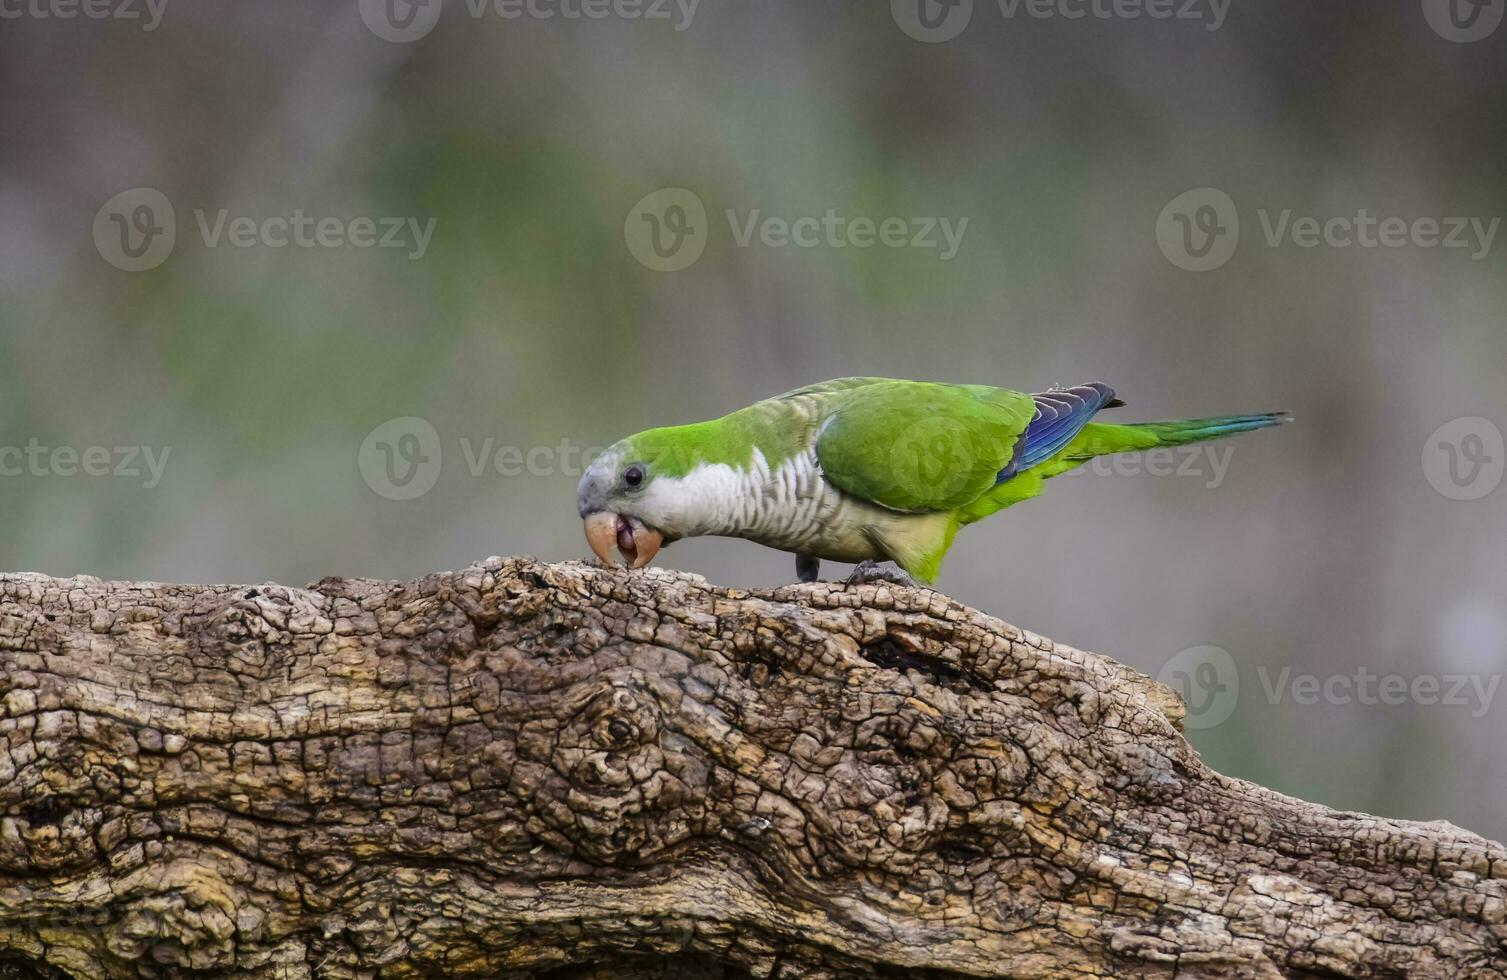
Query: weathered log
[{"x": 563, "y": 771}]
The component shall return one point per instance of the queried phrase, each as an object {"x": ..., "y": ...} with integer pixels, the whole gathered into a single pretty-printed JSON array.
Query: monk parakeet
[{"x": 862, "y": 470}]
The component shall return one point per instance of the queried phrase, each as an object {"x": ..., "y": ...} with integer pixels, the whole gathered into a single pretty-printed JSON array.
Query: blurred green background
[{"x": 265, "y": 373}]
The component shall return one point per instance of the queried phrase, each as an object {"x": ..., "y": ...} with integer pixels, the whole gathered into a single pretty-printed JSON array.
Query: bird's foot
[
  {"x": 807, "y": 567},
  {"x": 869, "y": 571}
]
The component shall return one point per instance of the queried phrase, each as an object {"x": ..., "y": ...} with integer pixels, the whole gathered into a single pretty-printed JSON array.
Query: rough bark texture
[{"x": 561, "y": 771}]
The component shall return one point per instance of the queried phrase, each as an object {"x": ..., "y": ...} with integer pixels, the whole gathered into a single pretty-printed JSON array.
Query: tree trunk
[{"x": 561, "y": 771}]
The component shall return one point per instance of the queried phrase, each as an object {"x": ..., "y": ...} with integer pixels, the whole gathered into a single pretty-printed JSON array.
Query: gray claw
[
  {"x": 807, "y": 568},
  {"x": 872, "y": 571}
]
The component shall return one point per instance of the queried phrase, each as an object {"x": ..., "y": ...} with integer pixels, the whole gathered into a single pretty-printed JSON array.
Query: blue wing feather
[{"x": 1060, "y": 414}]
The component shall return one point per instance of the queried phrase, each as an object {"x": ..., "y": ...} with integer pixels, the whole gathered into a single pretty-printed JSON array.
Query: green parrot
[{"x": 863, "y": 470}]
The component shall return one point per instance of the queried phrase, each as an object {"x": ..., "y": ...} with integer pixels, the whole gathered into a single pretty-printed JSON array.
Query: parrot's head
[{"x": 627, "y": 500}]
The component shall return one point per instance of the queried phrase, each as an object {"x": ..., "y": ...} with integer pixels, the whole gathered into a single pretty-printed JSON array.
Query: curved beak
[{"x": 635, "y": 540}]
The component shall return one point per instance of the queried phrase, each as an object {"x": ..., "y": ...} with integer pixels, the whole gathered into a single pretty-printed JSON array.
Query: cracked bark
[{"x": 560, "y": 771}]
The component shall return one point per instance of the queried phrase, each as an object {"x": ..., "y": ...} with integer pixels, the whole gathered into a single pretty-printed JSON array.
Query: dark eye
[{"x": 633, "y": 475}]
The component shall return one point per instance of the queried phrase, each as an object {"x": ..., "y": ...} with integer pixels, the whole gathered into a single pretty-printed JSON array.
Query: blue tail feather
[{"x": 1176, "y": 433}]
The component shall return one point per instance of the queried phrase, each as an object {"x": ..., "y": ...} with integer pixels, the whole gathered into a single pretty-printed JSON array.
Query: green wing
[
  {"x": 917, "y": 446},
  {"x": 837, "y": 385}
]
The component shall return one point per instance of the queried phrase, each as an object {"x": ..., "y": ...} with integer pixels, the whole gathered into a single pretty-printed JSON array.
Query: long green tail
[{"x": 1102, "y": 439}]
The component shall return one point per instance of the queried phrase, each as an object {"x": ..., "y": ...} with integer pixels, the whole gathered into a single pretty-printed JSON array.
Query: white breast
[{"x": 790, "y": 507}]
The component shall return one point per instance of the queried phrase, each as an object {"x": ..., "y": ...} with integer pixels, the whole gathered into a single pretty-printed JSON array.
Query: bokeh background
[{"x": 1340, "y": 545}]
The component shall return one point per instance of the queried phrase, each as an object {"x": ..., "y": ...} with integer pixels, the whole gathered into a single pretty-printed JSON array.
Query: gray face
[
  {"x": 608, "y": 499},
  {"x": 596, "y": 483},
  {"x": 603, "y": 486}
]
